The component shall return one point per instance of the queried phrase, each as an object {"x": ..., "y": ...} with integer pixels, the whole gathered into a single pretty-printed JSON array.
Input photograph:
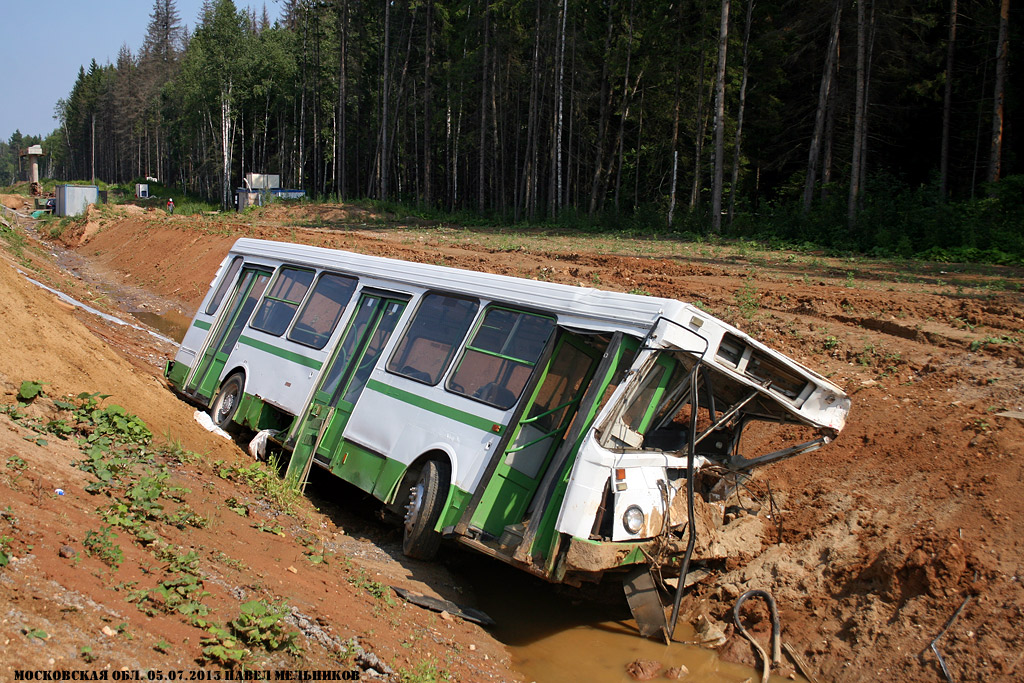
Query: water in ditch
[
  {"x": 556, "y": 634},
  {"x": 171, "y": 323}
]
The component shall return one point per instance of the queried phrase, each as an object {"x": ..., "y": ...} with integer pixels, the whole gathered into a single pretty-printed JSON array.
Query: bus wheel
[
  {"x": 226, "y": 403},
  {"x": 426, "y": 498}
]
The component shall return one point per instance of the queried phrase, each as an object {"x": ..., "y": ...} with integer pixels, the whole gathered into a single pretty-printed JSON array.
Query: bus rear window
[
  {"x": 435, "y": 333},
  {"x": 279, "y": 306},
  {"x": 322, "y": 311},
  {"x": 500, "y": 358}
]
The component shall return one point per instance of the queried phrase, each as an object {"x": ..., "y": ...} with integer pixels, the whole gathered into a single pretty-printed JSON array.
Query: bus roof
[{"x": 579, "y": 307}]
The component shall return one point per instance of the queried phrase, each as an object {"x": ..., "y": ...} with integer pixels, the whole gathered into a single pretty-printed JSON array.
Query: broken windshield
[{"x": 649, "y": 403}]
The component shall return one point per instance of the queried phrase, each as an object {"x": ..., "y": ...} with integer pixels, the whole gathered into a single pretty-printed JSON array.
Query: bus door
[
  {"x": 251, "y": 283},
  {"x": 343, "y": 381},
  {"x": 551, "y": 411}
]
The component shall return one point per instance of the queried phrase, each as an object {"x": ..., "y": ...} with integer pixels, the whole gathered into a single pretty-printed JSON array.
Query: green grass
[{"x": 748, "y": 300}]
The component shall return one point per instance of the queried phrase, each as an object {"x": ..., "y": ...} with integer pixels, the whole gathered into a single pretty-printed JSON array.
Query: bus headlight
[{"x": 633, "y": 519}]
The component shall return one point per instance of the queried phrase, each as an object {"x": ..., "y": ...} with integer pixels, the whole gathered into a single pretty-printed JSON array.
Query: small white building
[{"x": 72, "y": 199}]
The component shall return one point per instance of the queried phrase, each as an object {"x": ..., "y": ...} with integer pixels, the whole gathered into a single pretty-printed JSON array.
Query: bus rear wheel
[
  {"x": 426, "y": 499},
  {"x": 224, "y": 406}
]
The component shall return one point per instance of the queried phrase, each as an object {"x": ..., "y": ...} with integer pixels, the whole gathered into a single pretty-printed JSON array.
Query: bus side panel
[
  {"x": 176, "y": 373},
  {"x": 253, "y": 412},
  {"x": 391, "y": 425},
  {"x": 357, "y": 465},
  {"x": 188, "y": 352},
  {"x": 584, "y": 491},
  {"x": 280, "y": 371},
  {"x": 458, "y": 499}
]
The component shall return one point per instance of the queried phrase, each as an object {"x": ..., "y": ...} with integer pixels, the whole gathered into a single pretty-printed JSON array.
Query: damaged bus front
[{"x": 652, "y": 478}]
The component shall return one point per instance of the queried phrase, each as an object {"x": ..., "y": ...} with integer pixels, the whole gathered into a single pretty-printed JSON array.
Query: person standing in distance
[{"x": 170, "y": 205}]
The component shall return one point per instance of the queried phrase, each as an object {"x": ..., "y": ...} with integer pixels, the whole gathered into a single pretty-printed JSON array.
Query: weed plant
[{"x": 118, "y": 453}]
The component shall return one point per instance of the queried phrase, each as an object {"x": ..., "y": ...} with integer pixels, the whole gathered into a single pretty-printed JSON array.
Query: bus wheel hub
[{"x": 412, "y": 510}]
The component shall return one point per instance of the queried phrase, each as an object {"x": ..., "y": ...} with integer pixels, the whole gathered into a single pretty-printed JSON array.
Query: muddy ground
[{"x": 879, "y": 537}]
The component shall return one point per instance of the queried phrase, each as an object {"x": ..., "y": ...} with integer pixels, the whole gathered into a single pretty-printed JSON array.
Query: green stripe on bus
[
  {"x": 281, "y": 353},
  {"x": 435, "y": 407},
  {"x": 201, "y": 324}
]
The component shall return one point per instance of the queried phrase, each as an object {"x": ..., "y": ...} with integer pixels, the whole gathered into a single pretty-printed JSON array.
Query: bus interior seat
[
  {"x": 412, "y": 373},
  {"x": 496, "y": 395}
]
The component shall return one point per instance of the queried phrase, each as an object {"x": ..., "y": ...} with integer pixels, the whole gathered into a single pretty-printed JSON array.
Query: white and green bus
[{"x": 550, "y": 426}]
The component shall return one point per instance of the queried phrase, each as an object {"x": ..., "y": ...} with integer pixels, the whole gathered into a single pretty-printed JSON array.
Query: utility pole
[{"x": 93, "y": 169}]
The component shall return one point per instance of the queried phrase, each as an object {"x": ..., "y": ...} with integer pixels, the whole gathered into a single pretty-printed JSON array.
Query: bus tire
[
  {"x": 426, "y": 500},
  {"x": 226, "y": 404}
]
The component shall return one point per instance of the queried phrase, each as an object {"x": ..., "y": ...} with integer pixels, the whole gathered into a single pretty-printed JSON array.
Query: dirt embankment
[
  {"x": 879, "y": 537},
  {"x": 83, "y": 584}
]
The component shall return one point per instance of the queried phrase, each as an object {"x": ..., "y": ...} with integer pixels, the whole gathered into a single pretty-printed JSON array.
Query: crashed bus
[{"x": 568, "y": 431}]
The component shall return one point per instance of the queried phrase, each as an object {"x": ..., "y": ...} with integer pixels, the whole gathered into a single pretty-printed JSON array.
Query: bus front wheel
[
  {"x": 426, "y": 499},
  {"x": 224, "y": 406}
]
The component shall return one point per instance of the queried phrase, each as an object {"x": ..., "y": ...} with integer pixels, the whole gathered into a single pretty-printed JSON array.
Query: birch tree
[
  {"x": 716, "y": 189},
  {"x": 737, "y": 142},
  {"x": 213, "y": 71}
]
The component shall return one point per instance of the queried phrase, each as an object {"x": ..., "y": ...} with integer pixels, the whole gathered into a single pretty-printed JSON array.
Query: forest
[{"x": 873, "y": 126}]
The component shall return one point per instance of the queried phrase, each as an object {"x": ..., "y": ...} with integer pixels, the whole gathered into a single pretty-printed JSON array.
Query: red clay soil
[{"x": 878, "y": 537}]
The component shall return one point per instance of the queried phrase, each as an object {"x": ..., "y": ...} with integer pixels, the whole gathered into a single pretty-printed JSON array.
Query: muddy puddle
[
  {"x": 171, "y": 324},
  {"x": 556, "y": 634}
]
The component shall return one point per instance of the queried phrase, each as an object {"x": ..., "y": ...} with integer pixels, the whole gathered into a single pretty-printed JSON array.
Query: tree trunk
[
  {"x": 481, "y": 171},
  {"x": 819, "y": 119},
  {"x": 716, "y": 189},
  {"x": 1002, "y": 48},
  {"x": 386, "y": 87},
  {"x": 602, "y": 120},
  {"x": 947, "y": 104},
  {"x": 340, "y": 175},
  {"x": 626, "y": 100},
  {"x": 225, "y": 142},
  {"x": 700, "y": 128},
  {"x": 867, "y": 106},
  {"x": 737, "y": 142},
  {"x": 829, "y": 139},
  {"x": 533, "y": 124},
  {"x": 675, "y": 154},
  {"x": 858, "y": 118},
  {"x": 427, "y": 49},
  {"x": 639, "y": 151},
  {"x": 556, "y": 203}
]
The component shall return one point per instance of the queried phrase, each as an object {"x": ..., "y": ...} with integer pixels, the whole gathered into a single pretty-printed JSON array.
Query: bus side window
[
  {"x": 279, "y": 305},
  {"x": 323, "y": 310},
  {"x": 435, "y": 332},
  {"x": 499, "y": 360},
  {"x": 225, "y": 285}
]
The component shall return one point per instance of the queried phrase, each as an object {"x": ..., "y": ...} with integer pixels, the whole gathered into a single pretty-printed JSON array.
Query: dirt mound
[
  {"x": 316, "y": 215},
  {"x": 14, "y": 201},
  {"x": 44, "y": 340}
]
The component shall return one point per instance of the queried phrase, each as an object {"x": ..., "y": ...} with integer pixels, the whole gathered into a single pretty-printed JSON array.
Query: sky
[{"x": 44, "y": 42}]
